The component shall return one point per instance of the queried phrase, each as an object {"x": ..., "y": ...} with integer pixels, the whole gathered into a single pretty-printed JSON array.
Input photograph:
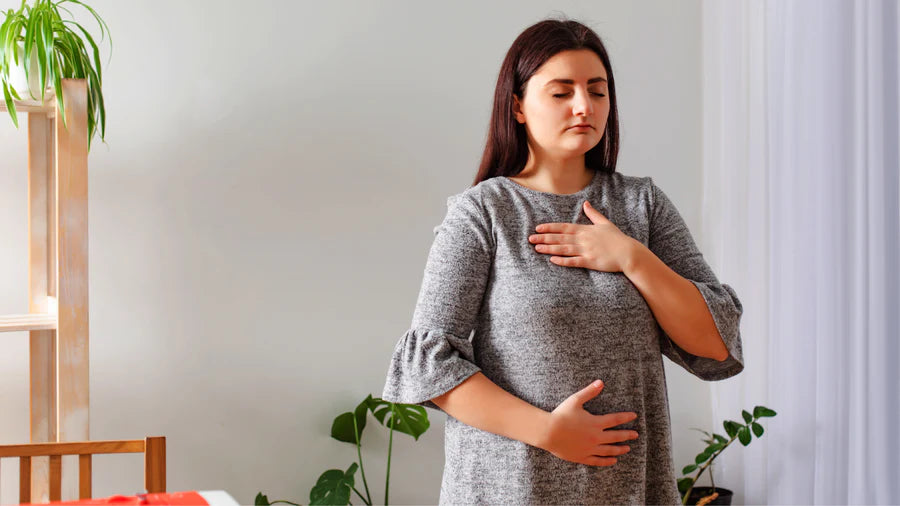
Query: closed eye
[{"x": 560, "y": 95}]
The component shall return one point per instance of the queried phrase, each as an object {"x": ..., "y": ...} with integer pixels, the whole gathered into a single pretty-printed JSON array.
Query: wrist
[
  {"x": 541, "y": 430},
  {"x": 633, "y": 257}
]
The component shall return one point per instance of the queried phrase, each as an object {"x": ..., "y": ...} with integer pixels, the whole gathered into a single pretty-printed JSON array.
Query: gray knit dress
[{"x": 489, "y": 302}]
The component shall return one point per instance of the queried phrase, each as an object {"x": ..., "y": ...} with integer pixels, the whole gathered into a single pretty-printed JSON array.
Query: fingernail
[{"x": 597, "y": 383}]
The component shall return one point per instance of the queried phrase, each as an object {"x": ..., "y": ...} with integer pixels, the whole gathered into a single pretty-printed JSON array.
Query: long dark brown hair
[{"x": 506, "y": 149}]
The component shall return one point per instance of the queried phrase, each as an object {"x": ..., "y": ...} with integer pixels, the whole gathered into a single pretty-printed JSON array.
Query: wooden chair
[{"x": 153, "y": 448}]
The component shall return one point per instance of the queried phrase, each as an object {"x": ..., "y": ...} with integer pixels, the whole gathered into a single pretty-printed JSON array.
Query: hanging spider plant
[{"x": 37, "y": 39}]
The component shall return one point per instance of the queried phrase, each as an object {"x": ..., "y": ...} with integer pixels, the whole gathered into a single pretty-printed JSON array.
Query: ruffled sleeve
[
  {"x": 435, "y": 355},
  {"x": 671, "y": 241}
]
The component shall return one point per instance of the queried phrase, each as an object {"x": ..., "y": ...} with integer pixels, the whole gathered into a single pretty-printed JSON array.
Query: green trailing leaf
[
  {"x": 757, "y": 429},
  {"x": 689, "y": 469},
  {"x": 58, "y": 49},
  {"x": 100, "y": 107},
  {"x": 104, "y": 29},
  {"x": 4, "y": 29},
  {"x": 684, "y": 484},
  {"x": 57, "y": 85},
  {"x": 44, "y": 56},
  {"x": 334, "y": 486},
  {"x": 9, "y": 104},
  {"x": 744, "y": 436},
  {"x": 47, "y": 45},
  {"x": 71, "y": 63},
  {"x": 762, "y": 412},
  {"x": 720, "y": 438},
  {"x": 30, "y": 30},
  {"x": 406, "y": 418},
  {"x": 747, "y": 416},
  {"x": 261, "y": 500},
  {"x": 94, "y": 47}
]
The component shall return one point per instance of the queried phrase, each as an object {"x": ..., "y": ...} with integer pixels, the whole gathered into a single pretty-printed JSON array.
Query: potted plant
[
  {"x": 716, "y": 444},
  {"x": 335, "y": 485},
  {"x": 39, "y": 48}
]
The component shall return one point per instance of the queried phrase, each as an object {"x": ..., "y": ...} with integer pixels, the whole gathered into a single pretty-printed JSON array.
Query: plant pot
[
  {"x": 27, "y": 88},
  {"x": 700, "y": 492}
]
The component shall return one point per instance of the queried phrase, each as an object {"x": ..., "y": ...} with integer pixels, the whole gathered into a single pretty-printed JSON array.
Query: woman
[{"x": 567, "y": 272}]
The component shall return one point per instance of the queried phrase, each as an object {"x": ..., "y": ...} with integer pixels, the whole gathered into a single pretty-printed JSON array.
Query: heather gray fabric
[{"x": 543, "y": 332}]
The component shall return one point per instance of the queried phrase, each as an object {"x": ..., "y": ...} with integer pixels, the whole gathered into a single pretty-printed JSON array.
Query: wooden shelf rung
[
  {"x": 49, "y": 105},
  {"x": 27, "y": 322}
]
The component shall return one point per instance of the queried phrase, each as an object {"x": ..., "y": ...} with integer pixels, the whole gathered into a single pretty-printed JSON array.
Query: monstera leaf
[
  {"x": 343, "y": 430},
  {"x": 334, "y": 486},
  {"x": 404, "y": 418}
]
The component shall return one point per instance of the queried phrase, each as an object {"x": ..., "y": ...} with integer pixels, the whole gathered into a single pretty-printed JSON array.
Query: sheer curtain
[{"x": 801, "y": 217}]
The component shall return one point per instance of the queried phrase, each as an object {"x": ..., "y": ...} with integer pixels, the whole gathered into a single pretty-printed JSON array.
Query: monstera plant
[{"x": 335, "y": 485}]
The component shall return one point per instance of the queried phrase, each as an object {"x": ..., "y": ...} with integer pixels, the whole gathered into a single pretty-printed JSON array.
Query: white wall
[{"x": 261, "y": 216}]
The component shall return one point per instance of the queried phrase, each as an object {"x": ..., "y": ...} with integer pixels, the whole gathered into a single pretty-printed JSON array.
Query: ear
[{"x": 517, "y": 109}]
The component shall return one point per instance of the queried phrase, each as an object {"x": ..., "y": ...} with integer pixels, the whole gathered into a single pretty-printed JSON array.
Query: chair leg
[
  {"x": 56, "y": 477},
  {"x": 84, "y": 476},
  {"x": 24, "y": 480},
  {"x": 155, "y": 464}
]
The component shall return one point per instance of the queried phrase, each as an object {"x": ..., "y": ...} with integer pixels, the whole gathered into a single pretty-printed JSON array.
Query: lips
[{"x": 582, "y": 125}]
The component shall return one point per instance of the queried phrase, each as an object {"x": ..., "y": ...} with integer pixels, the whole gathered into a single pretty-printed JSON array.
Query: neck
[{"x": 556, "y": 175}]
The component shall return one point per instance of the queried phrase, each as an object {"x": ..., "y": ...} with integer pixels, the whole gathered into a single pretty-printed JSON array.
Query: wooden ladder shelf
[{"x": 57, "y": 322}]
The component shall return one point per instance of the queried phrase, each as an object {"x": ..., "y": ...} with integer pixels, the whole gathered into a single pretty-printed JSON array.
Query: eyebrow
[{"x": 570, "y": 81}]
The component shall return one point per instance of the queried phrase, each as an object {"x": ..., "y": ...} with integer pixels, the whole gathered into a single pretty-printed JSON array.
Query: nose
[{"x": 583, "y": 105}]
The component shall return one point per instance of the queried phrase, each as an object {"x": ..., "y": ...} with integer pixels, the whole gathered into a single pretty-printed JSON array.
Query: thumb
[
  {"x": 589, "y": 392},
  {"x": 593, "y": 214}
]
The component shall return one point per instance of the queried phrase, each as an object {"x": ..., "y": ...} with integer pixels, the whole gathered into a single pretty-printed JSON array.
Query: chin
[{"x": 584, "y": 146}]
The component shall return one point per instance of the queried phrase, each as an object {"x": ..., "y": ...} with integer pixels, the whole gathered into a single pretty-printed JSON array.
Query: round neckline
[{"x": 579, "y": 193}]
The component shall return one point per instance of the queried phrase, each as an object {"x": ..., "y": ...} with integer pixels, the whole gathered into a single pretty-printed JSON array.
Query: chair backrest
[{"x": 153, "y": 448}]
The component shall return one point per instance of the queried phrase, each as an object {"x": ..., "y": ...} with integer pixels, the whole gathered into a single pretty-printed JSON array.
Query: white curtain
[{"x": 801, "y": 217}]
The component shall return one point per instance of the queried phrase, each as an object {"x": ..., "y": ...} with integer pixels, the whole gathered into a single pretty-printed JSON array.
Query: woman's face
[{"x": 569, "y": 89}]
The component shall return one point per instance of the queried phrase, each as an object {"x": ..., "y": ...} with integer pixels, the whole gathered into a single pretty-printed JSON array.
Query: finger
[
  {"x": 617, "y": 436},
  {"x": 558, "y": 249},
  {"x": 566, "y": 228},
  {"x": 611, "y": 450},
  {"x": 595, "y": 216},
  {"x": 599, "y": 461},
  {"x": 613, "y": 419},
  {"x": 575, "y": 261},
  {"x": 589, "y": 392},
  {"x": 552, "y": 238}
]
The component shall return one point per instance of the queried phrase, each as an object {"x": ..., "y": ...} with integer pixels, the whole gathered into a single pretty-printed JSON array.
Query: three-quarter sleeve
[
  {"x": 671, "y": 241},
  {"x": 435, "y": 354}
]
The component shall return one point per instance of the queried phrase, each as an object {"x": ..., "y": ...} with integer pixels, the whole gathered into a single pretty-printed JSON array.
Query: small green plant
[
  {"x": 716, "y": 444},
  {"x": 38, "y": 38},
  {"x": 335, "y": 485}
]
